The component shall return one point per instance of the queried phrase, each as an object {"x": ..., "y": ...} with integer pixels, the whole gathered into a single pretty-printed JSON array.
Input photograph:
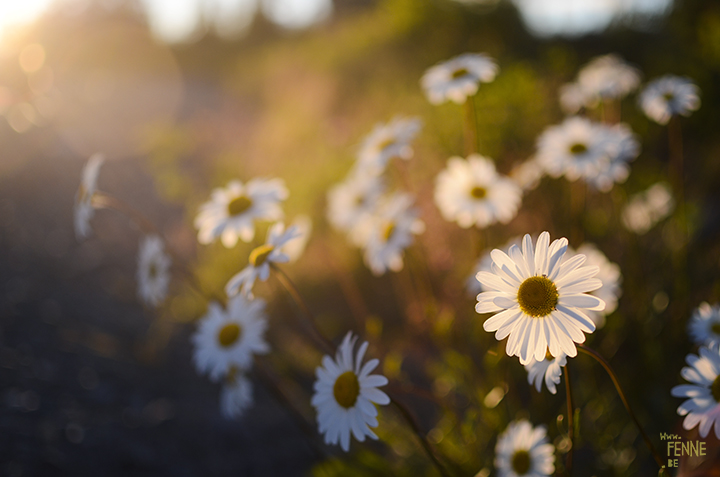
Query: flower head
[
  {"x": 647, "y": 208},
  {"x": 527, "y": 174},
  {"x": 228, "y": 339},
  {"x": 703, "y": 404},
  {"x": 295, "y": 247},
  {"x": 233, "y": 210},
  {"x": 84, "y": 209},
  {"x": 547, "y": 370},
  {"x": 153, "y": 272},
  {"x": 471, "y": 192},
  {"x": 604, "y": 77},
  {"x": 458, "y": 78},
  {"x": 352, "y": 203},
  {"x": 542, "y": 299},
  {"x": 345, "y": 394},
  {"x": 260, "y": 259},
  {"x": 669, "y": 96},
  {"x": 704, "y": 325},
  {"x": 524, "y": 451},
  {"x": 622, "y": 147},
  {"x": 236, "y": 395},
  {"x": 387, "y": 141}
]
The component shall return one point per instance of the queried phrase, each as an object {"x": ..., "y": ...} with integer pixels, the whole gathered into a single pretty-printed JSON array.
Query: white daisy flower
[
  {"x": 84, "y": 210},
  {"x": 458, "y": 78},
  {"x": 390, "y": 232},
  {"x": 352, "y": 203},
  {"x": 573, "y": 98},
  {"x": 295, "y": 247},
  {"x": 527, "y": 174},
  {"x": 608, "y": 273},
  {"x": 345, "y": 394},
  {"x": 227, "y": 339},
  {"x": 623, "y": 147},
  {"x": 232, "y": 211},
  {"x": 236, "y": 395},
  {"x": 669, "y": 96},
  {"x": 704, "y": 325},
  {"x": 548, "y": 370},
  {"x": 647, "y": 208},
  {"x": 524, "y": 451},
  {"x": 260, "y": 259},
  {"x": 153, "y": 272},
  {"x": 542, "y": 299},
  {"x": 703, "y": 404},
  {"x": 471, "y": 192},
  {"x": 607, "y": 77},
  {"x": 387, "y": 141}
]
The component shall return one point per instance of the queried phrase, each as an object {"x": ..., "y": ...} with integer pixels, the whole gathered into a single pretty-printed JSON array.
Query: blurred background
[{"x": 184, "y": 95}]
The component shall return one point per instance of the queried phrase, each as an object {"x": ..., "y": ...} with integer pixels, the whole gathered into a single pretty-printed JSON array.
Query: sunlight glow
[{"x": 14, "y": 13}]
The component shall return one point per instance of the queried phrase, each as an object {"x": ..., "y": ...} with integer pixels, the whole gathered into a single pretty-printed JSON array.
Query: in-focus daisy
[
  {"x": 233, "y": 210},
  {"x": 227, "y": 339},
  {"x": 647, "y": 208},
  {"x": 704, "y": 325},
  {"x": 84, "y": 211},
  {"x": 669, "y": 96},
  {"x": 390, "y": 232},
  {"x": 346, "y": 394},
  {"x": 703, "y": 404},
  {"x": 471, "y": 192},
  {"x": 524, "y": 451},
  {"x": 236, "y": 395},
  {"x": 548, "y": 370},
  {"x": 542, "y": 299},
  {"x": 387, "y": 141},
  {"x": 295, "y": 247},
  {"x": 153, "y": 273},
  {"x": 352, "y": 203},
  {"x": 458, "y": 78},
  {"x": 260, "y": 259}
]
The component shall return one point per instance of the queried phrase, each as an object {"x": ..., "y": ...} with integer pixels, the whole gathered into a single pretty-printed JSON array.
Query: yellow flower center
[
  {"x": 459, "y": 73},
  {"x": 152, "y": 271},
  {"x": 715, "y": 389},
  {"x": 715, "y": 328},
  {"x": 578, "y": 148},
  {"x": 388, "y": 231},
  {"x": 521, "y": 462},
  {"x": 537, "y": 296},
  {"x": 478, "y": 192},
  {"x": 548, "y": 356},
  {"x": 260, "y": 254},
  {"x": 229, "y": 334},
  {"x": 239, "y": 205},
  {"x": 82, "y": 193},
  {"x": 346, "y": 389},
  {"x": 668, "y": 97}
]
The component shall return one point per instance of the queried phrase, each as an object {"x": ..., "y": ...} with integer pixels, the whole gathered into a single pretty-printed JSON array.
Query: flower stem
[
  {"x": 595, "y": 355},
  {"x": 102, "y": 200},
  {"x": 570, "y": 423},
  {"x": 472, "y": 141}
]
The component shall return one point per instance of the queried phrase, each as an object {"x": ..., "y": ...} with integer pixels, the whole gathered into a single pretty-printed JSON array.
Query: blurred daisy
[
  {"x": 227, "y": 339},
  {"x": 232, "y": 211},
  {"x": 542, "y": 299},
  {"x": 458, "y": 78},
  {"x": 295, "y": 247},
  {"x": 260, "y": 259},
  {"x": 84, "y": 210},
  {"x": 527, "y": 174},
  {"x": 153, "y": 273},
  {"x": 391, "y": 232},
  {"x": 387, "y": 141},
  {"x": 471, "y": 192},
  {"x": 669, "y": 96},
  {"x": 236, "y": 395},
  {"x": 704, "y": 325},
  {"x": 352, "y": 203},
  {"x": 647, "y": 208},
  {"x": 608, "y": 77},
  {"x": 703, "y": 404},
  {"x": 573, "y": 98},
  {"x": 548, "y": 370},
  {"x": 608, "y": 273},
  {"x": 346, "y": 394},
  {"x": 524, "y": 451},
  {"x": 622, "y": 147}
]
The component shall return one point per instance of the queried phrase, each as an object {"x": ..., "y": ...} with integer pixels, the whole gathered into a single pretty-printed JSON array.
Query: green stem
[{"x": 472, "y": 140}]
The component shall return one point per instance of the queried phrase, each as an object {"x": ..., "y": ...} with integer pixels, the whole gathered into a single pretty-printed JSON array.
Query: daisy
[
  {"x": 227, "y": 339},
  {"x": 541, "y": 299},
  {"x": 84, "y": 210},
  {"x": 232, "y": 211},
  {"x": 236, "y": 396},
  {"x": 471, "y": 192},
  {"x": 608, "y": 273},
  {"x": 345, "y": 394},
  {"x": 524, "y": 451},
  {"x": 153, "y": 273},
  {"x": 669, "y": 96},
  {"x": 548, "y": 369},
  {"x": 484, "y": 263},
  {"x": 573, "y": 98},
  {"x": 260, "y": 259},
  {"x": 647, "y": 208},
  {"x": 623, "y": 147},
  {"x": 703, "y": 404},
  {"x": 577, "y": 148},
  {"x": 390, "y": 232},
  {"x": 387, "y": 141},
  {"x": 352, "y": 203},
  {"x": 295, "y": 247},
  {"x": 527, "y": 174},
  {"x": 704, "y": 325},
  {"x": 458, "y": 78},
  {"x": 608, "y": 77}
]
